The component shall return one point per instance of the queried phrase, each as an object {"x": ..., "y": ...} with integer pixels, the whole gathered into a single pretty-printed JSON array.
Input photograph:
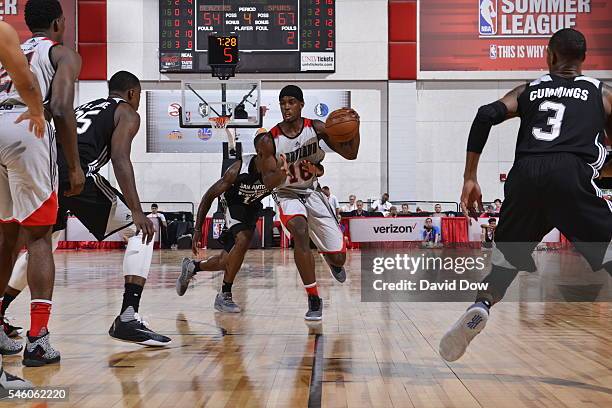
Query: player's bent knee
[{"x": 138, "y": 256}]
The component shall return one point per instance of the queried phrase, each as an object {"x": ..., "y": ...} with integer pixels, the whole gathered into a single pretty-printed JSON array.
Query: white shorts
[
  {"x": 28, "y": 173},
  {"x": 322, "y": 222}
]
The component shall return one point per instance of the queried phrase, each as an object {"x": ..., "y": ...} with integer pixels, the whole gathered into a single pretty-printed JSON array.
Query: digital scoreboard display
[{"x": 273, "y": 35}]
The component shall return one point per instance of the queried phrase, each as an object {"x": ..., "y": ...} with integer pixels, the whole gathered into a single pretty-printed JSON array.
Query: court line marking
[{"x": 316, "y": 375}]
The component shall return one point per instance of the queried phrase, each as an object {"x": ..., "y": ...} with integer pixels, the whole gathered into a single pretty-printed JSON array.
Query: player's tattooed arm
[
  {"x": 273, "y": 172},
  {"x": 127, "y": 123},
  {"x": 348, "y": 150},
  {"x": 221, "y": 186},
  {"x": 68, "y": 66}
]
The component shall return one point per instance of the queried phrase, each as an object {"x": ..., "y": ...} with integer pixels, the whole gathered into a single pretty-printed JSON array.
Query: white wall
[
  {"x": 445, "y": 111},
  {"x": 361, "y": 57}
]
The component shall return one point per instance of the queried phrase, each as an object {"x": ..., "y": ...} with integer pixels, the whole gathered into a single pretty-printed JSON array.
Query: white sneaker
[
  {"x": 455, "y": 341},
  {"x": 12, "y": 382}
]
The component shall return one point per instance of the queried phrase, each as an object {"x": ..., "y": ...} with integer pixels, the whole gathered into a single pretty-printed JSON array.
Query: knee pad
[{"x": 138, "y": 256}]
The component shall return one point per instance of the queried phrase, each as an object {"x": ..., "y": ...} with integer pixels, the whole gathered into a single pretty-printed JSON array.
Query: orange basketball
[{"x": 341, "y": 125}]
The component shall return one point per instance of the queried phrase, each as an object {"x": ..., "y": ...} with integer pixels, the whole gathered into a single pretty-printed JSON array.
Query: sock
[
  {"x": 197, "y": 266},
  {"x": 227, "y": 287},
  {"x": 312, "y": 289},
  {"x": 131, "y": 296},
  {"x": 6, "y": 301},
  {"x": 40, "y": 310},
  {"x": 485, "y": 302}
]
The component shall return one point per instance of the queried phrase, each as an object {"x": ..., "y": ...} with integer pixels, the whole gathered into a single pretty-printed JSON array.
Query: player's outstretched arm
[
  {"x": 68, "y": 65},
  {"x": 15, "y": 63},
  {"x": 487, "y": 117},
  {"x": 348, "y": 150},
  {"x": 127, "y": 123},
  {"x": 221, "y": 186},
  {"x": 273, "y": 172}
]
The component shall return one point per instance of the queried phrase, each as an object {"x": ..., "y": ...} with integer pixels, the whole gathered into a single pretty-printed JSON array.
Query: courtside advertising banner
[
  {"x": 390, "y": 229},
  {"x": 507, "y": 39}
]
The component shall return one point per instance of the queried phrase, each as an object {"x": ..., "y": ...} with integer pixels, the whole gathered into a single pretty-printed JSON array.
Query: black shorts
[
  {"x": 100, "y": 208},
  {"x": 238, "y": 217},
  {"x": 553, "y": 191}
]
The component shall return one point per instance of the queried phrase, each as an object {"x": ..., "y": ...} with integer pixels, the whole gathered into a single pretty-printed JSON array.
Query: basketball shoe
[
  {"x": 12, "y": 382},
  {"x": 38, "y": 350},
  {"x": 315, "y": 308},
  {"x": 10, "y": 330},
  {"x": 338, "y": 272},
  {"x": 187, "y": 273},
  {"x": 458, "y": 337},
  {"x": 225, "y": 303},
  {"x": 129, "y": 327},
  {"x": 8, "y": 346}
]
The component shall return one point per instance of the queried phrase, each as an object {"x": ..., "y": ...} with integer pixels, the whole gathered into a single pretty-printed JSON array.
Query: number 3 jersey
[
  {"x": 95, "y": 127},
  {"x": 304, "y": 146},
  {"x": 563, "y": 115},
  {"x": 38, "y": 53}
]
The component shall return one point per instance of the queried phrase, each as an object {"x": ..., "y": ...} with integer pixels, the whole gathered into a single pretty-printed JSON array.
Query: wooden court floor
[{"x": 362, "y": 355}]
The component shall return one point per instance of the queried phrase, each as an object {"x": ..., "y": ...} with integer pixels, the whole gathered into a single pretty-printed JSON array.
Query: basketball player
[
  {"x": 241, "y": 189},
  {"x": 106, "y": 129},
  {"x": 15, "y": 72},
  {"x": 29, "y": 169},
  {"x": 558, "y": 154},
  {"x": 304, "y": 209}
]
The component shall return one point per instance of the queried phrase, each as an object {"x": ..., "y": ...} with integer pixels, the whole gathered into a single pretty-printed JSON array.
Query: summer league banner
[
  {"x": 507, "y": 39},
  {"x": 165, "y": 136},
  {"x": 11, "y": 11}
]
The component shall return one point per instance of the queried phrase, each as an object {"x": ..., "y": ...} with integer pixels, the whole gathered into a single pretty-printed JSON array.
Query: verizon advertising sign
[{"x": 389, "y": 229}]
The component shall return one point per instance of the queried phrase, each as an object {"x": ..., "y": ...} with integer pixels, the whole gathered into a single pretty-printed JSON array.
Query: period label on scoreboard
[{"x": 274, "y": 35}]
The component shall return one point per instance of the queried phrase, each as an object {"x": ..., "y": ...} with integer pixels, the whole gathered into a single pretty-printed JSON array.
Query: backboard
[{"x": 203, "y": 100}]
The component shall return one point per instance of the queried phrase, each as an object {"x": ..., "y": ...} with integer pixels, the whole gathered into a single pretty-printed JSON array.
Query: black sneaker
[
  {"x": 38, "y": 351},
  {"x": 10, "y": 330},
  {"x": 315, "y": 308},
  {"x": 338, "y": 273},
  {"x": 136, "y": 331}
]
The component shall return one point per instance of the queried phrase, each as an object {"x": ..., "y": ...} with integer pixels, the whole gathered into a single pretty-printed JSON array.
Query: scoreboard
[{"x": 273, "y": 35}]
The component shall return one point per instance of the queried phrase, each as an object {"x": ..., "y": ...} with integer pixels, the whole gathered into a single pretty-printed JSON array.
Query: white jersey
[
  {"x": 38, "y": 53},
  {"x": 304, "y": 146}
]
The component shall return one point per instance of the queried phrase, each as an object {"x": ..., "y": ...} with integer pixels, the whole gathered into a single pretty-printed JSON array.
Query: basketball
[{"x": 341, "y": 125}]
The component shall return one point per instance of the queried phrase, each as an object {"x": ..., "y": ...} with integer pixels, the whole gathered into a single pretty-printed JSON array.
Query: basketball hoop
[{"x": 218, "y": 124}]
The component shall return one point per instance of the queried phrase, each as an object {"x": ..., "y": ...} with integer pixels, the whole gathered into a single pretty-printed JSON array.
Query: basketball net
[{"x": 219, "y": 128}]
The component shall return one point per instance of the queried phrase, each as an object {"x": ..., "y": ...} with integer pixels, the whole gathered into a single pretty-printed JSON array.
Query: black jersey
[
  {"x": 248, "y": 189},
  {"x": 95, "y": 127},
  {"x": 563, "y": 115}
]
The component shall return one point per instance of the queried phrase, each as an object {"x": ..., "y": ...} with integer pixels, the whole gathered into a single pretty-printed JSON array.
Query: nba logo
[
  {"x": 493, "y": 51},
  {"x": 487, "y": 17}
]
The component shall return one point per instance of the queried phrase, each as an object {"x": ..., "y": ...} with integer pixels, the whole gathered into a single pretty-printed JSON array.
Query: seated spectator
[
  {"x": 393, "y": 212},
  {"x": 383, "y": 205},
  {"x": 155, "y": 214},
  {"x": 498, "y": 204},
  {"x": 418, "y": 210},
  {"x": 351, "y": 206},
  {"x": 438, "y": 211},
  {"x": 489, "y": 212},
  {"x": 488, "y": 233},
  {"x": 333, "y": 201},
  {"x": 359, "y": 212},
  {"x": 405, "y": 210},
  {"x": 431, "y": 234}
]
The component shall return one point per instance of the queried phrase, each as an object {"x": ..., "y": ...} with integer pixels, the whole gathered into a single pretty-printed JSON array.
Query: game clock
[
  {"x": 274, "y": 35},
  {"x": 222, "y": 50}
]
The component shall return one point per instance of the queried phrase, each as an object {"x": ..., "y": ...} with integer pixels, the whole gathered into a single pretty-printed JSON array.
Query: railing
[
  {"x": 446, "y": 205},
  {"x": 169, "y": 206}
]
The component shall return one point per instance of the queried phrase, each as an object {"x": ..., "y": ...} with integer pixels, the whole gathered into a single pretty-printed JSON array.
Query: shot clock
[
  {"x": 273, "y": 35},
  {"x": 222, "y": 50}
]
